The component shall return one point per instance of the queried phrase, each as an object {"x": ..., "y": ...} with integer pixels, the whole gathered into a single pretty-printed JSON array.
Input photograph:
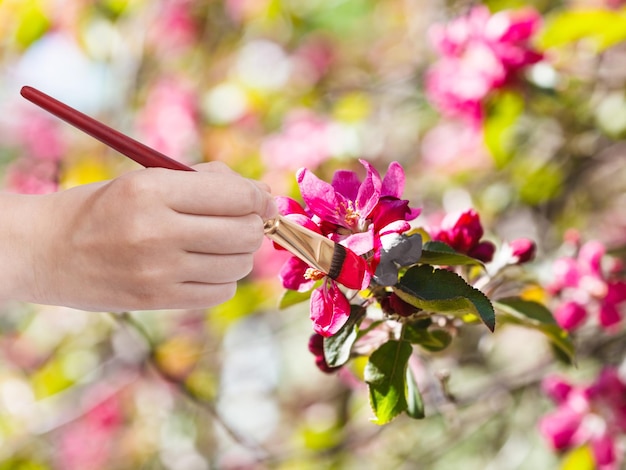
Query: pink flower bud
[
  {"x": 393, "y": 304},
  {"x": 483, "y": 251},
  {"x": 523, "y": 249},
  {"x": 570, "y": 315},
  {"x": 560, "y": 426},
  {"x": 603, "y": 448},
  {"x": 556, "y": 388}
]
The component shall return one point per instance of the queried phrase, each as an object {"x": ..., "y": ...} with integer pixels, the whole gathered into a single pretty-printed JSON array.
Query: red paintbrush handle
[{"x": 124, "y": 144}]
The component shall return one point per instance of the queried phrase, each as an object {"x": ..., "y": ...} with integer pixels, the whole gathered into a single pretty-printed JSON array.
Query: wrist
[{"x": 24, "y": 233}]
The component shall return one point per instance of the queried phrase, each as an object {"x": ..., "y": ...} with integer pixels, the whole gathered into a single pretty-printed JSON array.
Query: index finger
[{"x": 215, "y": 193}]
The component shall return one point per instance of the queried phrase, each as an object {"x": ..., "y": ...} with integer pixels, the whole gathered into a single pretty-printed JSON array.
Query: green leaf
[
  {"x": 337, "y": 348},
  {"x": 415, "y": 404},
  {"x": 499, "y": 127},
  {"x": 441, "y": 254},
  {"x": 385, "y": 373},
  {"x": 534, "y": 315},
  {"x": 442, "y": 291},
  {"x": 605, "y": 28},
  {"x": 435, "y": 340},
  {"x": 293, "y": 297}
]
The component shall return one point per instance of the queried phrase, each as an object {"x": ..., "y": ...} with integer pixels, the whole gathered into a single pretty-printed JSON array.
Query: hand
[{"x": 149, "y": 239}]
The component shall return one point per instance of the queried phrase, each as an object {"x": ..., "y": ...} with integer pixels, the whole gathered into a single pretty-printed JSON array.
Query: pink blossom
[
  {"x": 556, "y": 388},
  {"x": 463, "y": 232},
  {"x": 168, "y": 121},
  {"x": 314, "y": 58},
  {"x": 355, "y": 213},
  {"x": 480, "y": 52},
  {"x": 570, "y": 315},
  {"x": 32, "y": 176},
  {"x": 305, "y": 140},
  {"x": 329, "y": 308},
  {"x": 87, "y": 443},
  {"x": 174, "y": 26},
  {"x": 40, "y": 137},
  {"x": 594, "y": 414},
  {"x": 582, "y": 284}
]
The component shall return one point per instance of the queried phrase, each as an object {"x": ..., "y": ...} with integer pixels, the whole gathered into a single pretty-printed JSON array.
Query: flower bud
[
  {"x": 392, "y": 304},
  {"x": 570, "y": 315},
  {"x": 523, "y": 250}
]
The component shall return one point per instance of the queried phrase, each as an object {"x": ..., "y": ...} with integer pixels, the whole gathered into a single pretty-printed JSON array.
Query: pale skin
[{"x": 149, "y": 239}]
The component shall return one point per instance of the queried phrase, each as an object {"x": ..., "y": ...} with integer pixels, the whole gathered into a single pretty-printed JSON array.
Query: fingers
[
  {"x": 220, "y": 234},
  {"x": 213, "y": 269},
  {"x": 219, "y": 193}
]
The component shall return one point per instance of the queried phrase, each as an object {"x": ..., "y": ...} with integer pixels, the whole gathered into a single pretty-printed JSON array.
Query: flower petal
[
  {"x": 369, "y": 191},
  {"x": 292, "y": 275},
  {"x": 393, "y": 182},
  {"x": 320, "y": 197},
  {"x": 346, "y": 183},
  {"x": 329, "y": 309},
  {"x": 287, "y": 205}
]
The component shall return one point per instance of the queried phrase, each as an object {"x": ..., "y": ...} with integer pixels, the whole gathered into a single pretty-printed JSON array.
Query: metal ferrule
[{"x": 312, "y": 248}]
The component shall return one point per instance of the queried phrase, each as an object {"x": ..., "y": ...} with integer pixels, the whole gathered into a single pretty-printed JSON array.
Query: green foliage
[
  {"x": 337, "y": 347},
  {"x": 293, "y": 297},
  {"x": 415, "y": 403},
  {"x": 538, "y": 184},
  {"x": 445, "y": 292},
  {"x": 385, "y": 373},
  {"x": 441, "y": 254},
  {"x": 499, "y": 127},
  {"x": 432, "y": 340}
]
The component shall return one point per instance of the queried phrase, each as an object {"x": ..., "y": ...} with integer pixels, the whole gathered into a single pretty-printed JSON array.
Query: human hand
[{"x": 149, "y": 239}]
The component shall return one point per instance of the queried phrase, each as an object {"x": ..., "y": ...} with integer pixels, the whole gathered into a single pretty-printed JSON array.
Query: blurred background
[{"x": 269, "y": 86}]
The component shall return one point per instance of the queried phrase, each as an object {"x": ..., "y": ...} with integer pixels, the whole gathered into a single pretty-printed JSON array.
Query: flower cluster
[
  {"x": 588, "y": 282},
  {"x": 480, "y": 52},
  {"x": 593, "y": 415},
  {"x": 360, "y": 215}
]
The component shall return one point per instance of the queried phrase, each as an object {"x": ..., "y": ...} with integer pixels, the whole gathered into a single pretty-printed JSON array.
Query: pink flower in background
[
  {"x": 452, "y": 147},
  {"x": 168, "y": 120},
  {"x": 479, "y": 53},
  {"x": 86, "y": 444},
  {"x": 305, "y": 140},
  {"x": 41, "y": 148},
  {"x": 32, "y": 176},
  {"x": 314, "y": 58},
  {"x": 174, "y": 27},
  {"x": 582, "y": 285},
  {"x": 593, "y": 415},
  {"x": 40, "y": 136},
  {"x": 523, "y": 250},
  {"x": 615, "y": 3},
  {"x": 463, "y": 232}
]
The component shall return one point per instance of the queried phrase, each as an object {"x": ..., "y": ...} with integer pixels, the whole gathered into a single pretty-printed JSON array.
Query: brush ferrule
[{"x": 311, "y": 247}]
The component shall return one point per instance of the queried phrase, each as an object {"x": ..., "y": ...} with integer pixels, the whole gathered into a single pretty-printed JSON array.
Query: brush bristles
[{"x": 339, "y": 256}]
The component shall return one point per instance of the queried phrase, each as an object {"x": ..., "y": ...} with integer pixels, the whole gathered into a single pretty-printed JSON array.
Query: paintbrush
[{"x": 319, "y": 252}]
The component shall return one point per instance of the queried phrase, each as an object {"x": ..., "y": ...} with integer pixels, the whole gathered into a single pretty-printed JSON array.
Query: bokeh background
[{"x": 269, "y": 86}]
